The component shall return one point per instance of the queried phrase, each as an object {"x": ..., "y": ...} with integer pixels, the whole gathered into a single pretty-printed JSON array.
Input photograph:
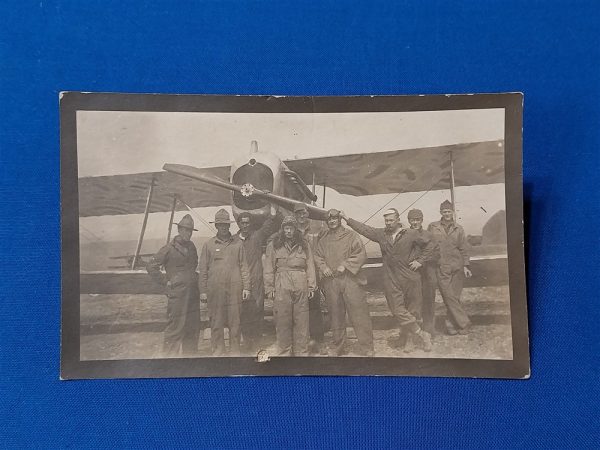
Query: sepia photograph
[{"x": 222, "y": 235}]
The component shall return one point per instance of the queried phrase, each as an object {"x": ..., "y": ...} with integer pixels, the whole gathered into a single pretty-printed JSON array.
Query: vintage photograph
[{"x": 223, "y": 229}]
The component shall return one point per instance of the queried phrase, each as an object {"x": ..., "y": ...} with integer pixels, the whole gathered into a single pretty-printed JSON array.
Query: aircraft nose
[{"x": 247, "y": 189}]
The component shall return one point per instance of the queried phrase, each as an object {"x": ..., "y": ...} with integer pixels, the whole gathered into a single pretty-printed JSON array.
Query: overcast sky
[{"x": 110, "y": 142}]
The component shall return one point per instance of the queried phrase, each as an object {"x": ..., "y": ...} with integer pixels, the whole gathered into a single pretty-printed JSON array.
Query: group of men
[{"x": 310, "y": 277}]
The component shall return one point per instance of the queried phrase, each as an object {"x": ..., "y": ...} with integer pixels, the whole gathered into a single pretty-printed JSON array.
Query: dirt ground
[{"x": 130, "y": 327}]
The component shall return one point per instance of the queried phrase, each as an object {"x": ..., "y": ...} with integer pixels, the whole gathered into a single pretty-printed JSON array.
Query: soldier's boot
[
  {"x": 425, "y": 339},
  {"x": 450, "y": 328},
  {"x": 466, "y": 329}
]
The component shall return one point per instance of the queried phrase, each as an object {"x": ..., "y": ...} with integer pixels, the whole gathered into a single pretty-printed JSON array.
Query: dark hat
[
  {"x": 333, "y": 213},
  {"x": 289, "y": 220},
  {"x": 222, "y": 216},
  {"x": 300, "y": 207},
  {"x": 415, "y": 214},
  {"x": 446, "y": 205},
  {"x": 187, "y": 222},
  {"x": 243, "y": 215}
]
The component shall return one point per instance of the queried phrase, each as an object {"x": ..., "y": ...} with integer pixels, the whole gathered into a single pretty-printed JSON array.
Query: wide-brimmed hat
[
  {"x": 187, "y": 222},
  {"x": 222, "y": 216}
]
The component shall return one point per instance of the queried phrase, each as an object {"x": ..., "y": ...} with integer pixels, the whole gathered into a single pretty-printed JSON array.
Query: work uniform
[
  {"x": 429, "y": 285},
  {"x": 449, "y": 270},
  {"x": 316, "y": 318},
  {"x": 253, "y": 309},
  {"x": 223, "y": 276},
  {"x": 179, "y": 259},
  {"x": 289, "y": 271},
  {"x": 344, "y": 292},
  {"x": 402, "y": 286}
]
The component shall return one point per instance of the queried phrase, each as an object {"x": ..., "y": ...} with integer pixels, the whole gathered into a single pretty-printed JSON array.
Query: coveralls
[
  {"x": 402, "y": 286},
  {"x": 316, "y": 321},
  {"x": 180, "y": 259},
  {"x": 289, "y": 271},
  {"x": 429, "y": 284},
  {"x": 454, "y": 256},
  {"x": 253, "y": 309},
  {"x": 344, "y": 292},
  {"x": 223, "y": 276}
]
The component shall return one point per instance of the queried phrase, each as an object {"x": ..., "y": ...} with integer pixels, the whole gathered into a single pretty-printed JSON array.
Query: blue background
[{"x": 548, "y": 50}]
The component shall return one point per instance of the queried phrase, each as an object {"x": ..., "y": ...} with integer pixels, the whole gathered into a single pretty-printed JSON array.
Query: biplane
[{"x": 257, "y": 180}]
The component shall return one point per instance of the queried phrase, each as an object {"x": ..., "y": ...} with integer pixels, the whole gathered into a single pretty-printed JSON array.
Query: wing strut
[
  {"x": 171, "y": 218},
  {"x": 452, "y": 182},
  {"x": 313, "y": 187},
  {"x": 143, "y": 230}
]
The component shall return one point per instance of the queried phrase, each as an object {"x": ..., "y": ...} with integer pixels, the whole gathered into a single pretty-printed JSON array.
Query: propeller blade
[
  {"x": 199, "y": 174},
  {"x": 288, "y": 203}
]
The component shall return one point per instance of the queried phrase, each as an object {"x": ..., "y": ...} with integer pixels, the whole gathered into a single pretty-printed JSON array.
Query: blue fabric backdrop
[{"x": 549, "y": 50}]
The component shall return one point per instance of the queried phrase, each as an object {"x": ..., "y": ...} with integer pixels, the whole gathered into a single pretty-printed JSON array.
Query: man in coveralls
[
  {"x": 316, "y": 320},
  {"x": 339, "y": 257},
  {"x": 253, "y": 310},
  {"x": 452, "y": 267},
  {"x": 428, "y": 278},
  {"x": 179, "y": 259},
  {"x": 224, "y": 282},
  {"x": 289, "y": 272},
  {"x": 404, "y": 252}
]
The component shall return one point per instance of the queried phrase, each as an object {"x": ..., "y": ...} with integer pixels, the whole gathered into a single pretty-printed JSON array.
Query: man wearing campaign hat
[
  {"x": 452, "y": 267},
  {"x": 289, "y": 274},
  {"x": 339, "y": 256},
  {"x": 179, "y": 259},
  {"x": 404, "y": 251},
  {"x": 224, "y": 283}
]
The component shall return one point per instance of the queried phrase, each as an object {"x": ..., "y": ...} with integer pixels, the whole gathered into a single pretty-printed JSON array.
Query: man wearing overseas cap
[
  {"x": 316, "y": 303},
  {"x": 179, "y": 259},
  {"x": 339, "y": 256},
  {"x": 224, "y": 283},
  {"x": 428, "y": 278},
  {"x": 253, "y": 239},
  {"x": 289, "y": 272},
  {"x": 452, "y": 267},
  {"x": 404, "y": 251}
]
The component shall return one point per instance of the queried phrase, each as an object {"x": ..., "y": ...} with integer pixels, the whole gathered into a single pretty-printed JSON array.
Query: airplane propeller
[{"x": 247, "y": 189}]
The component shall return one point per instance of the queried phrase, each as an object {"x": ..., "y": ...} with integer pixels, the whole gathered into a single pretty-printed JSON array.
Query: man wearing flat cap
[
  {"x": 339, "y": 256},
  {"x": 404, "y": 251},
  {"x": 428, "y": 278},
  {"x": 224, "y": 283},
  {"x": 452, "y": 267},
  {"x": 179, "y": 259},
  {"x": 254, "y": 238}
]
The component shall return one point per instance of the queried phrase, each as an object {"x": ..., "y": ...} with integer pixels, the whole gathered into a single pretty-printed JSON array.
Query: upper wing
[
  {"x": 409, "y": 170},
  {"x": 412, "y": 170},
  {"x": 127, "y": 194}
]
